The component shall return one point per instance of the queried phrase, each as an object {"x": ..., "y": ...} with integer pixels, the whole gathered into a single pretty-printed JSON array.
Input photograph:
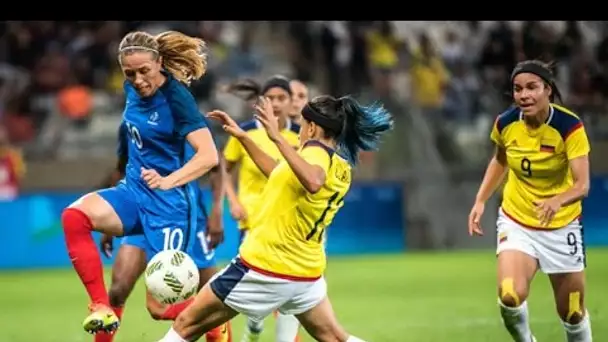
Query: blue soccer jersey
[{"x": 153, "y": 136}]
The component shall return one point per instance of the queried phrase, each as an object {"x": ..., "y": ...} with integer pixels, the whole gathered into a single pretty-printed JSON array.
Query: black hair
[
  {"x": 248, "y": 89},
  {"x": 541, "y": 69},
  {"x": 361, "y": 126}
]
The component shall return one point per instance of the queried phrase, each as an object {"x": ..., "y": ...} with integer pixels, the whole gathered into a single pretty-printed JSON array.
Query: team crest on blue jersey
[{"x": 153, "y": 119}]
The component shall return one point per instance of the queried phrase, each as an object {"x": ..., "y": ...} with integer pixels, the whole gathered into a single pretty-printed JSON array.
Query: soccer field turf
[{"x": 439, "y": 297}]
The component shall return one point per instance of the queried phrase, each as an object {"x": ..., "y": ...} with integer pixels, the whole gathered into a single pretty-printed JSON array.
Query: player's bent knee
[
  {"x": 575, "y": 312},
  {"x": 75, "y": 220},
  {"x": 511, "y": 295}
]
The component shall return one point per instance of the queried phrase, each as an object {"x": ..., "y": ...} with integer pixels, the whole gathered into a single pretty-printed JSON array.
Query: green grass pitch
[{"x": 430, "y": 297}]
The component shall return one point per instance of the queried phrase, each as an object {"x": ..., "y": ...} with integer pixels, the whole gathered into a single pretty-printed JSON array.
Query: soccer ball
[{"x": 171, "y": 277}]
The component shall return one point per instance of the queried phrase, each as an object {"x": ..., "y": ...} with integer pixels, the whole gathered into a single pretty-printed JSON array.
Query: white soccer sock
[
  {"x": 354, "y": 339},
  {"x": 580, "y": 332},
  {"x": 517, "y": 321},
  {"x": 172, "y": 336},
  {"x": 287, "y": 328}
]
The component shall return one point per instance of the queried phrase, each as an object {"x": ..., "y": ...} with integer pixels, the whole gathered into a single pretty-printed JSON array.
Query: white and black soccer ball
[{"x": 171, "y": 277}]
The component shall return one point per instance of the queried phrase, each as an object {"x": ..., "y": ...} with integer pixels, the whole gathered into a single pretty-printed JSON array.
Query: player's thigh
[
  {"x": 205, "y": 313},
  {"x": 321, "y": 323},
  {"x": 113, "y": 210},
  {"x": 516, "y": 261},
  {"x": 249, "y": 292},
  {"x": 569, "y": 293},
  {"x": 129, "y": 265},
  {"x": 561, "y": 250}
]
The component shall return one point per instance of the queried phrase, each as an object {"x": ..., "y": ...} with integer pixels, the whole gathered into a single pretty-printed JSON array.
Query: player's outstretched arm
[
  {"x": 263, "y": 161},
  {"x": 310, "y": 175}
]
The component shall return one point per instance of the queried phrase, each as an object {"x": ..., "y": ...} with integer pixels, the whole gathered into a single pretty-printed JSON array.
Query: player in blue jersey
[
  {"x": 132, "y": 256},
  {"x": 157, "y": 195}
]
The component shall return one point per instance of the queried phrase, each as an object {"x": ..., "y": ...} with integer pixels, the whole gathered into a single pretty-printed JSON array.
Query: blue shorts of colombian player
[{"x": 154, "y": 229}]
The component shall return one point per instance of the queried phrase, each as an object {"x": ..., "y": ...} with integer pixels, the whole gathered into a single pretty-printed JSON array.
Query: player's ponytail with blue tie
[
  {"x": 354, "y": 127},
  {"x": 363, "y": 127}
]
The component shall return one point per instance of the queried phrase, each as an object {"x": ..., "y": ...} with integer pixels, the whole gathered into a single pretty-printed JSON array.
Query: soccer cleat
[{"x": 101, "y": 318}]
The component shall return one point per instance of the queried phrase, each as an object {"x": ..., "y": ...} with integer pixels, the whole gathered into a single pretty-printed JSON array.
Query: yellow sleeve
[
  {"x": 495, "y": 136},
  {"x": 577, "y": 143},
  {"x": 316, "y": 155},
  {"x": 233, "y": 151}
]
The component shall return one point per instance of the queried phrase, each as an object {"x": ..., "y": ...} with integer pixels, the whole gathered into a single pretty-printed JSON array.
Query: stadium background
[{"x": 401, "y": 264}]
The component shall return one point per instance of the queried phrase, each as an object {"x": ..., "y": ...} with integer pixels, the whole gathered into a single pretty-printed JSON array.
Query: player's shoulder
[
  {"x": 249, "y": 125},
  {"x": 173, "y": 89},
  {"x": 508, "y": 117},
  {"x": 564, "y": 121},
  {"x": 324, "y": 151}
]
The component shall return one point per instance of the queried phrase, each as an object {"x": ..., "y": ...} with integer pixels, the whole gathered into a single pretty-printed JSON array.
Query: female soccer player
[
  {"x": 252, "y": 180},
  {"x": 544, "y": 149},
  {"x": 131, "y": 258},
  {"x": 299, "y": 99},
  {"x": 157, "y": 193},
  {"x": 281, "y": 262}
]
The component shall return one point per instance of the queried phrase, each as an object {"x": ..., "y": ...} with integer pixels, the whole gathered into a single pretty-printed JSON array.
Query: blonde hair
[{"x": 183, "y": 56}]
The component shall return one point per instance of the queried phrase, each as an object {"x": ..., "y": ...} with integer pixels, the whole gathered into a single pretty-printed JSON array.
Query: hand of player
[
  {"x": 215, "y": 229},
  {"x": 475, "y": 219},
  {"x": 154, "y": 180},
  {"x": 265, "y": 115},
  {"x": 228, "y": 124},
  {"x": 547, "y": 209},
  {"x": 237, "y": 211},
  {"x": 106, "y": 245}
]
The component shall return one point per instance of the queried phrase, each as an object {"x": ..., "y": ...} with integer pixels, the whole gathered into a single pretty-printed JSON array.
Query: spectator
[
  {"x": 12, "y": 168},
  {"x": 383, "y": 48},
  {"x": 429, "y": 77}
]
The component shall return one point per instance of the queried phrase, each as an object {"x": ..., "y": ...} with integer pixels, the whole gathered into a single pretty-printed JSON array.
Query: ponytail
[
  {"x": 246, "y": 89},
  {"x": 363, "y": 126},
  {"x": 183, "y": 56}
]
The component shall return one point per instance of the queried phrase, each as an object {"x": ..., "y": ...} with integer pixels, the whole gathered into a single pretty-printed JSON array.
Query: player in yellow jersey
[
  {"x": 299, "y": 99},
  {"x": 251, "y": 180},
  {"x": 282, "y": 260},
  {"x": 543, "y": 149}
]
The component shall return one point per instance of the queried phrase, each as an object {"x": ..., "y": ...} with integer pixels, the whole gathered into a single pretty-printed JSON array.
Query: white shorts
[
  {"x": 257, "y": 295},
  {"x": 557, "y": 251}
]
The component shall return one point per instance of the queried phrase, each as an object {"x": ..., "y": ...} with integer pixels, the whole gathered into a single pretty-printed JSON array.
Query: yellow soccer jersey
[
  {"x": 286, "y": 240},
  {"x": 251, "y": 180},
  {"x": 538, "y": 161}
]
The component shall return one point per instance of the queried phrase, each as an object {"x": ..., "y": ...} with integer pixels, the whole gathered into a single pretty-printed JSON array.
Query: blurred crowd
[{"x": 456, "y": 73}]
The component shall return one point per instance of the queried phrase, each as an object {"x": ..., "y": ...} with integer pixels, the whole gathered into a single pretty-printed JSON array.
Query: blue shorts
[{"x": 155, "y": 227}]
